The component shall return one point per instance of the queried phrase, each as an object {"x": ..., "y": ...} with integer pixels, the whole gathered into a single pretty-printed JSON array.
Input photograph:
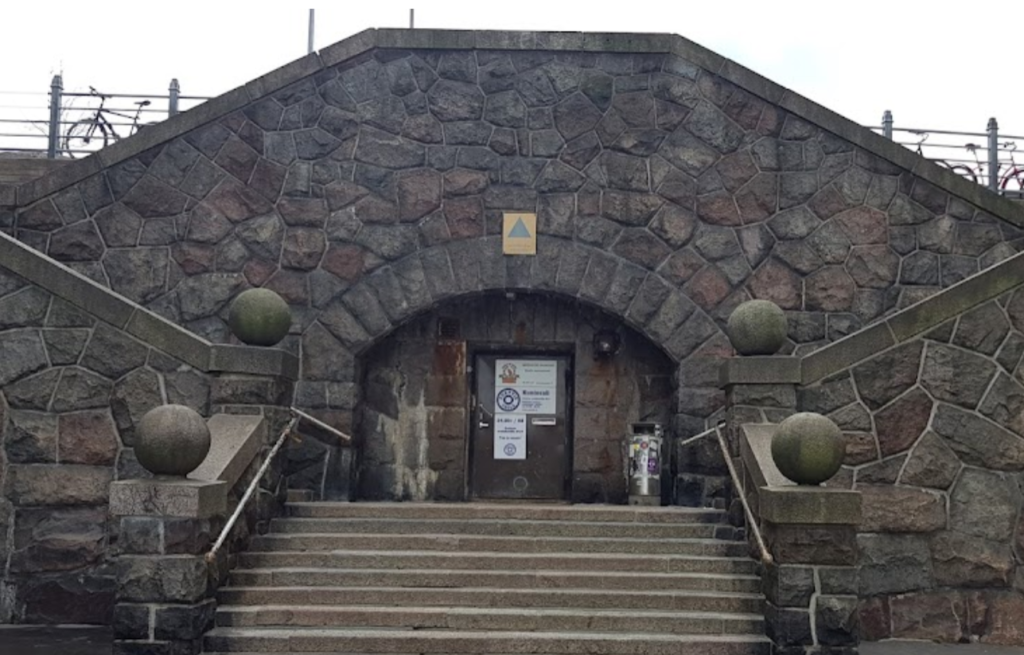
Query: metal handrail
[
  {"x": 297, "y": 415},
  {"x": 766, "y": 557}
]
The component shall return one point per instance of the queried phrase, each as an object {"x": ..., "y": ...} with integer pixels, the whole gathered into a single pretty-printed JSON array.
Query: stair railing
[
  {"x": 766, "y": 556},
  {"x": 297, "y": 415}
]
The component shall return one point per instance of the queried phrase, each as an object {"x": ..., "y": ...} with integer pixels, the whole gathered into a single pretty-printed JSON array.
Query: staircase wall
[
  {"x": 935, "y": 444},
  {"x": 79, "y": 366}
]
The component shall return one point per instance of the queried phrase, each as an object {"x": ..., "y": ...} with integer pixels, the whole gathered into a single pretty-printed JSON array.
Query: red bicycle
[{"x": 1013, "y": 179}]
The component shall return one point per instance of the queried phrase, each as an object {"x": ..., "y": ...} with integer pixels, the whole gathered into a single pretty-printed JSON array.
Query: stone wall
[
  {"x": 371, "y": 189},
  {"x": 413, "y": 422},
  {"x": 71, "y": 391},
  {"x": 935, "y": 444}
]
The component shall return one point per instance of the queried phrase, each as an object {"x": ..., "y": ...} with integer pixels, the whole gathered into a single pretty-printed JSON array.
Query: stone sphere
[
  {"x": 808, "y": 448},
  {"x": 259, "y": 317},
  {"x": 757, "y": 327},
  {"x": 172, "y": 440}
]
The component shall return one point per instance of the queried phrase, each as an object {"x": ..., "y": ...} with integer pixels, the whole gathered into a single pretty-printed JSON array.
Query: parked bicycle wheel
[
  {"x": 83, "y": 133},
  {"x": 1013, "y": 181},
  {"x": 960, "y": 169}
]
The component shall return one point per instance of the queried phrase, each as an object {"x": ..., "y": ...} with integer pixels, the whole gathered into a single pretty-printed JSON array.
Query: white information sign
[
  {"x": 510, "y": 436},
  {"x": 528, "y": 386}
]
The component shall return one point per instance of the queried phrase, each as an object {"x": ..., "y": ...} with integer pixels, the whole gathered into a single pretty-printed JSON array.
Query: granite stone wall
[
  {"x": 373, "y": 189},
  {"x": 413, "y": 424},
  {"x": 935, "y": 444},
  {"x": 71, "y": 391}
]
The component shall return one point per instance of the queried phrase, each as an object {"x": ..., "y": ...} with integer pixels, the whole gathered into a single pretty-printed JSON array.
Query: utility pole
[{"x": 311, "y": 22}]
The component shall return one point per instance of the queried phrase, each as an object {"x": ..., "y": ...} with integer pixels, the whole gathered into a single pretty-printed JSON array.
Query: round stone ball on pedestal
[
  {"x": 172, "y": 440},
  {"x": 259, "y": 317},
  {"x": 757, "y": 327},
  {"x": 808, "y": 448}
]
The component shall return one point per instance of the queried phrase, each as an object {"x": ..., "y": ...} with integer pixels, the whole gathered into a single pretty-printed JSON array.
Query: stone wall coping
[
  {"x": 146, "y": 326},
  {"x": 760, "y": 370},
  {"x": 173, "y": 497},
  {"x": 913, "y": 321},
  {"x": 235, "y": 440},
  {"x": 370, "y": 39},
  {"x": 756, "y": 453},
  {"x": 780, "y": 500},
  {"x": 807, "y": 505}
]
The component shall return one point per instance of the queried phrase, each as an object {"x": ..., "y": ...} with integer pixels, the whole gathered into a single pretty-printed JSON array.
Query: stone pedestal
[{"x": 164, "y": 600}]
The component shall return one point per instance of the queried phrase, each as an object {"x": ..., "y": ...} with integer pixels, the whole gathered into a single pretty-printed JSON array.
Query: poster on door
[
  {"x": 526, "y": 386},
  {"x": 510, "y": 436}
]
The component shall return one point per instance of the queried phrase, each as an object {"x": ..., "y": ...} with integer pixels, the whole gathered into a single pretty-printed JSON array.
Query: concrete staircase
[{"x": 492, "y": 578}]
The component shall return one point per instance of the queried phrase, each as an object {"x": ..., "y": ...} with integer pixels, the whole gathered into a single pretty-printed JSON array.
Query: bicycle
[
  {"x": 1015, "y": 174},
  {"x": 960, "y": 169},
  {"x": 99, "y": 125}
]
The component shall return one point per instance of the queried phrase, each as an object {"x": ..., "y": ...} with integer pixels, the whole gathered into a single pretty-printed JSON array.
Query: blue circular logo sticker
[
  {"x": 508, "y": 400},
  {"x": 510, "y": 449}
]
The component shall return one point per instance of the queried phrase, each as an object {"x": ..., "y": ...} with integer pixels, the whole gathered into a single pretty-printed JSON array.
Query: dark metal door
[{"x": 520, "y": 427}]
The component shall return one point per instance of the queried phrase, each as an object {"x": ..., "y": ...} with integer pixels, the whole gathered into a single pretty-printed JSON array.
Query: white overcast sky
[{"x": 939, "y": 65}]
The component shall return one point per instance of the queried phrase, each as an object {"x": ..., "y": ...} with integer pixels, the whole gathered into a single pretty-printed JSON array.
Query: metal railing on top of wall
[
  {"x": 80, "y": 123},
  {"x": 989, "y": 158}
]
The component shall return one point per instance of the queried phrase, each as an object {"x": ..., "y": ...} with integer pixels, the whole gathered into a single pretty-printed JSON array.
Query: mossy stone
[
  {"x": 172, "y": 440},
  {"x": 757, "y": 327},
  {"x": 808, "y": 448},
  {"x": 259, "y": 317}
]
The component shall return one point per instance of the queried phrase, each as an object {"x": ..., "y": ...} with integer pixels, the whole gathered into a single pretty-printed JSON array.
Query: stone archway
[{"x": 412, "y": 421}]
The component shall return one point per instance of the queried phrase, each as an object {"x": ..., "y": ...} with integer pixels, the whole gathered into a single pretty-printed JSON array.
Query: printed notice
[
  {"x": 510, "y": 436},
  {"x": 527, "y": 386}
]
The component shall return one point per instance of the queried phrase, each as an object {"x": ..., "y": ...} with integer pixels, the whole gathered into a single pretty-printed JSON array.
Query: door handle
[
  {"x": 544, "y": 421},
  {"x": 482, "y": 418}
]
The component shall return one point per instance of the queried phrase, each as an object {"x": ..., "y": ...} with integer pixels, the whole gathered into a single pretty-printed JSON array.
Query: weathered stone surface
[
  {"x": 31, "y": 437},
  {"x": 1004, "y": 403},
  {"x": 982, "y": 329},
  {"x": 893, "y": 563},
  {"x": 137, "y": 273},
  {"x": 88, "y": 438},
  {"x": 78, "y": 242},
  {"x": 52, "y": 484},
  {"x": 875, "y": 267},
  {"x": 984, "y": 504},
  {"x": 777, "y": 282},
  {"x": 966, "y": 561},
  {"x": 900, "y": 424},
  {"x": 80, "y": 389},
  {"x": 955, "y": 375},
  {"x": 21, "y": 353},
  {"x": 63, "y": 539},
  {"x": 163, "y": 579},
  {"x": 886, "y": 376},
  {"x": 133, "y": 396},
  {"x": 931, "y": 464},
  {"x": 901, "y": 509},
  {"x": 932, "y": 616},
  {"x": 977, "y": 441},
  {"x": 830, "y": 289}
]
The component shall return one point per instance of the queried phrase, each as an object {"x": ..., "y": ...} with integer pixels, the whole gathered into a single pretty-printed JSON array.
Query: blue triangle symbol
[{"x": 519, "y": 231}]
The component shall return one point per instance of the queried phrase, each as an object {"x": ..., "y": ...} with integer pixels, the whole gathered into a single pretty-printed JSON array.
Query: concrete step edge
[
  {"x": 501, "y": 611},
  {"x": 693, "y": 593}
]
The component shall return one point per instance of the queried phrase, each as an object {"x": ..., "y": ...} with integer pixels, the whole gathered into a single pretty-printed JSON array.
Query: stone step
[
  {"x": 492, "y": 618},
  {"x": 689, "y": 600},
  {"x": 337, "y": 640},
  {"x": 506, "y": 512},
  {"x": 383, "y": 559},
  {"x": 300, "y": 496},
  {"x": 497, "y": 544},
  {"x": 503, "y": 579},
  {"x": 609, "y": 580},
  {"x": 499, "y": 527}
]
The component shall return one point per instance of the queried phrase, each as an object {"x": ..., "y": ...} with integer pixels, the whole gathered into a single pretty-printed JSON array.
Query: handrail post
[
  {"x": 766, "y": 556},
  {"x": 56, "y": 91},
  {"x": 887, "y": 124},
  {"x": 993, "y": 154},
  {"x": 172, "y": 97}
]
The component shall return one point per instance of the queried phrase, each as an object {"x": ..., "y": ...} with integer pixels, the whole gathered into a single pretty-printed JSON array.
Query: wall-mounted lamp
[{"x": 606, "y": 344}]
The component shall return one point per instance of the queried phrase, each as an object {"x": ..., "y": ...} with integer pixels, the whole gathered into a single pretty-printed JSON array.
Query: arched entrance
[{"x": 425, "y": 421}]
